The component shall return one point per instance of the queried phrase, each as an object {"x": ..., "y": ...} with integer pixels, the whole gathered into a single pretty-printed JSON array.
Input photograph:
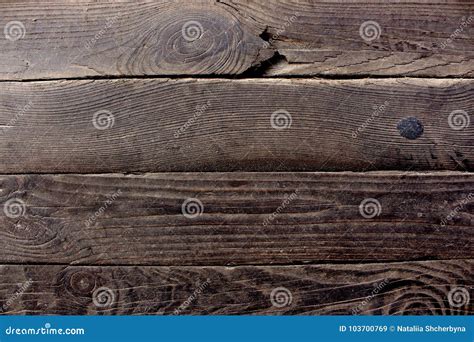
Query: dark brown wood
[
  {"x": 402, "y": 38},
  {"x": 95, "y": 97},
  {"x": 87, "y": 38},
  {"x": 239, "y": 218},
  {"x": 228, "y": 125},
  {"x": 410, "y": 288}
]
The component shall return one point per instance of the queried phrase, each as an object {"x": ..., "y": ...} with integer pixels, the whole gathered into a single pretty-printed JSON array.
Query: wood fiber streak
[
  {"x": 411, "y": 288},
  {"x": 179, "y": 157},
  {"x": 244, "y": 218},
  {"x": 234, "y": 125},
  {"x": 402, "y": 38},
  {"x": 64, "y": 39}
]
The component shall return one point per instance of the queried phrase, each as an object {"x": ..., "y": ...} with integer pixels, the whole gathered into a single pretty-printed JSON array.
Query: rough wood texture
[
  {"x": 87, "y": 227},
  {"x": 409, "y": 288},
  {"x": 238, "y": 218},
  {"x": 403, "y": 38},
  {"x": 88, "y": 38},
  {"x": 222, "y": 125}
]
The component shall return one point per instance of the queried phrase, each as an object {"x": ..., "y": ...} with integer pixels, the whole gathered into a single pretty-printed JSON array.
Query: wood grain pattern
[
  {"x": 248, "y": 125},
  {"x": 130, "y": 38},
  {"x": 242, "y": 218},
  {"x": 86, "y": 38},
  {"x": 120, "y": 122},
  {"x": 402, "y": 38},
  {"x": 411, "y": 288}
]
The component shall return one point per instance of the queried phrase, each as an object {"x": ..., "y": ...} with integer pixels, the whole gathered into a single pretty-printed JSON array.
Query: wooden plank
[
  {"x": 384, "y": 38},
  {"x": 411, "y": 288},
  {"x": 236, "y": 218},
  {"x": 248, "y": 125},
  {"x": 129, "y": 38}
]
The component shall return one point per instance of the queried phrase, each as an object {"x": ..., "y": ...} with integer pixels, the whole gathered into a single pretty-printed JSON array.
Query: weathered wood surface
[
  {"x": 127, "y": 125},
  {"x": 86, "y": 38},
  {"x": 236, "y": 218},
  {"x": 84, "y": 219},
  {"x": 411, "y": 288}
]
